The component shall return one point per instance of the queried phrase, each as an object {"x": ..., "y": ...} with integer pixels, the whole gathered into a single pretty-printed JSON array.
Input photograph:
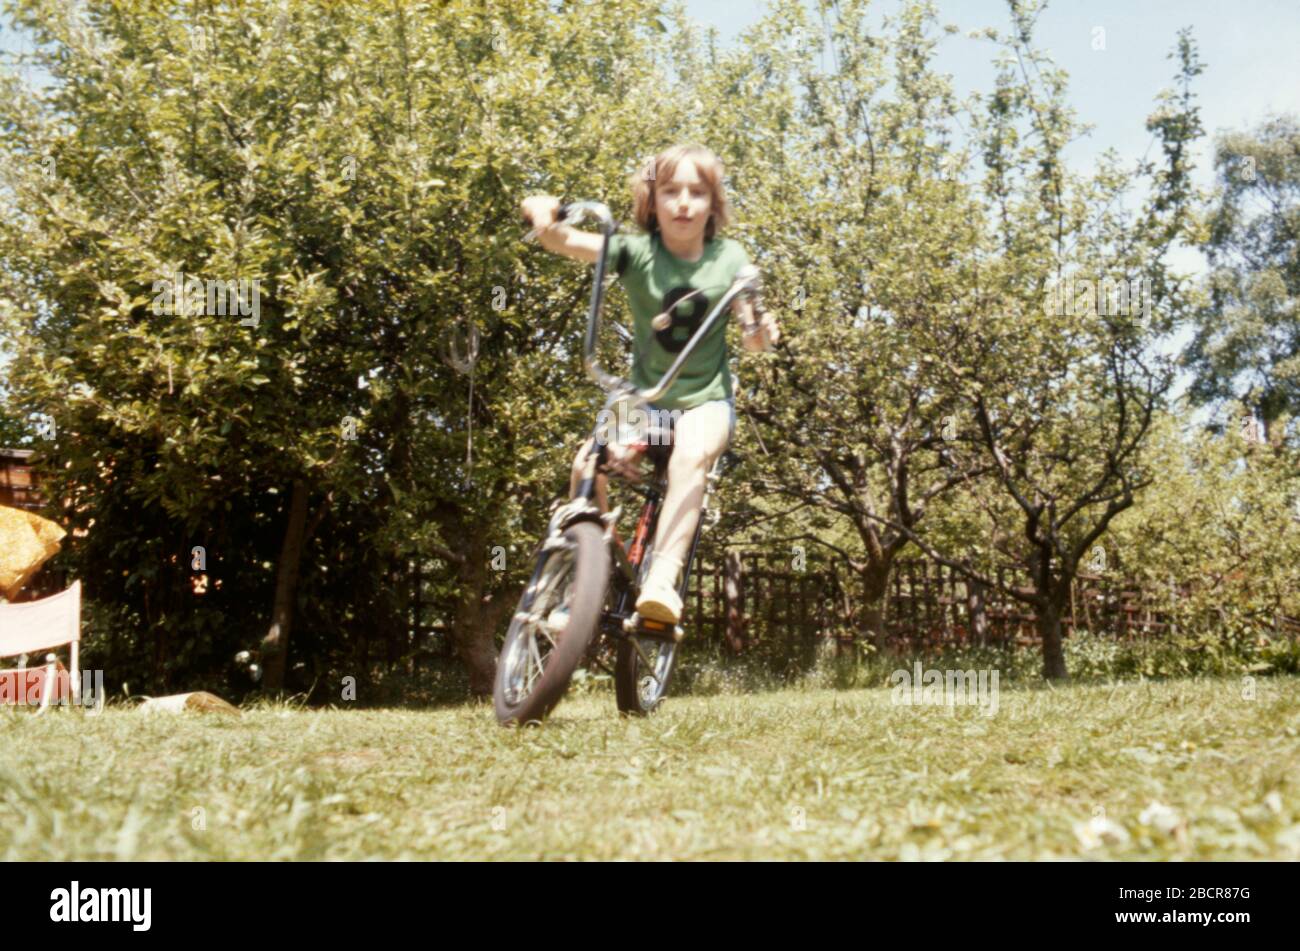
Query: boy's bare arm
[{"x": 557, "y": 237}]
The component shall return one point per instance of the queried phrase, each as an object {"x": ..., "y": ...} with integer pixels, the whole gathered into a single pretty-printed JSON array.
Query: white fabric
[{"x": 36, "y": 625}]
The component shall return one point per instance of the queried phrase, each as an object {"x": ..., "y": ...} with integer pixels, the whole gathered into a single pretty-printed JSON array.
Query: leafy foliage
[{"x": 1247, "y": 342}]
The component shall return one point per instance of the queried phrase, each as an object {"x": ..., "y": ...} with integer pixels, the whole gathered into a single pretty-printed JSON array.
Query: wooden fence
[
  {"x": 758, "y": 602},
  {"x": 927, "y": 605}
]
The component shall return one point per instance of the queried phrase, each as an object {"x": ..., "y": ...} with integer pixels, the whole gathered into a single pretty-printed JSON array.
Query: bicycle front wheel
[{"x": 557, "y": 616}]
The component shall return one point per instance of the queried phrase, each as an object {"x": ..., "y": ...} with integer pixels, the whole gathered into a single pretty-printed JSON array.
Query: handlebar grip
[
  {"x": 535, "y": 233},
  {"x": 560, "y": 214}
]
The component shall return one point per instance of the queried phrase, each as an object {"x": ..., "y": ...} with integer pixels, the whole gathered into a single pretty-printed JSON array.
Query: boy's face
[{"x": 683, "y": 204}]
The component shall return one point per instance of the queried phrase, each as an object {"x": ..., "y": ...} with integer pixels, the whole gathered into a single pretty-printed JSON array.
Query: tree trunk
[
  {"x": 875, "y": 588},
  {"x": 975, "y": 611},
  {"x": 734, "y": 592},
  {"x": 396, "y": 632},
  {"x": 471, "y": 635},
  {"x": 275, "y": 645},
  {"x": 1049, "y": 628}
]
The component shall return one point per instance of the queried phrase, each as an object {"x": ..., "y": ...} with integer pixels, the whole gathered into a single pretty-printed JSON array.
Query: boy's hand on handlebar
[
  {"x": 767, "y": 324},
  {"x": 540, "y": 211},
  {"x": 758, "y": 332}
]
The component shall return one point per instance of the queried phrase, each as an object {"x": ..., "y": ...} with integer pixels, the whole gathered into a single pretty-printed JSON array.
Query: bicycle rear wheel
[
  {"x": 642, "y": 672},
  {"x": 643, "y": 666},
  {"x": 557, "y": 616}
]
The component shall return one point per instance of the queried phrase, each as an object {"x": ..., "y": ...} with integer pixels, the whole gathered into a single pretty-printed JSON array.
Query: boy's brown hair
[{"x": 664, "y": 166}]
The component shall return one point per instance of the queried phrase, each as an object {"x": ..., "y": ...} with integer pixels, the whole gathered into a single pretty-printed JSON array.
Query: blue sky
[{"x": 1252, "y": 67}]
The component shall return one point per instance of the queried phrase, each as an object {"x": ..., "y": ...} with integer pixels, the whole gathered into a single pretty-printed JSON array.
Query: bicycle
[{"x": 578, "y": 606}]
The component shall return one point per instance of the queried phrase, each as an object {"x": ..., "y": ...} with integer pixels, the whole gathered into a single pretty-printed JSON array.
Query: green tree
[
  {"x": 1247, "y": 341},
  {"x": 1219, "y": 533},
  {"x": 844, "y": 155},
  {"x": 363, "y": 166},
  {"x": 1057, "y": 371}
]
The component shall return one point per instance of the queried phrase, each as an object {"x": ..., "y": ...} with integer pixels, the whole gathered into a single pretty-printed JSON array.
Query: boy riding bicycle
[{"x": 674, "y": 273}]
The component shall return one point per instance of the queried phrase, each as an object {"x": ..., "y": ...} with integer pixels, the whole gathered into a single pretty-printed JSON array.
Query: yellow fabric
[{"x": 26, "y": 542}]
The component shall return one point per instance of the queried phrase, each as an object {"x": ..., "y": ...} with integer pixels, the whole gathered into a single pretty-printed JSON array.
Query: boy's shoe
[{"x": 659, "y": 600}]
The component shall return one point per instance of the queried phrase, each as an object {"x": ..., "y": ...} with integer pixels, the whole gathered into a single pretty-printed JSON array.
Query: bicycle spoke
[
  {"x": 535, "y": 658},
  {"x": 544, "y": 596},
  {"x": 645, "y": 659},
  {"x": 536, "y": 620}
]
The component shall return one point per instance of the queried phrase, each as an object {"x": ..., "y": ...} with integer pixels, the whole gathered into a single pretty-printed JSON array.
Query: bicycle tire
[
  {"x": 629, "y": 667},
  {"x": 633, "y": 694},
  {"x": 590, "y": 578}
]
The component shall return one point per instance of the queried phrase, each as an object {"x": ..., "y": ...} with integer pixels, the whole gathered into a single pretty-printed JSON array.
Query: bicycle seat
[
  {"x": 659, "y": 446},
  {"x": 655, "y": 441}
]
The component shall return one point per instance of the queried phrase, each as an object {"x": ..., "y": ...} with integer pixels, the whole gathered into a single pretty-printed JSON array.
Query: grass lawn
[{"x": 1150, "y": 770}]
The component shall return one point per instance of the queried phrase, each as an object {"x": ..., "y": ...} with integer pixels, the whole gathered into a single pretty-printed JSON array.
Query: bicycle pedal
[{"x": 636, "y": 624}]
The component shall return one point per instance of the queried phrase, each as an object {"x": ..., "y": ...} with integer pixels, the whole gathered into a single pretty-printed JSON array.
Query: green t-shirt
[{"x": 655, "y": 280}]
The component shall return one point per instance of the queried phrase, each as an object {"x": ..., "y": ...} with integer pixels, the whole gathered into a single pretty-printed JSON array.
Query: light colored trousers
[{"x": 700, "y": 436}]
